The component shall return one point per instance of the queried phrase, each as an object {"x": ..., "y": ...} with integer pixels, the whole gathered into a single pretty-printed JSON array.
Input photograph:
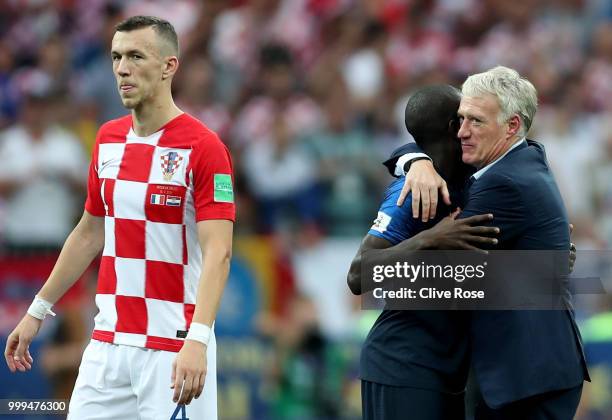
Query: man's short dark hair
[
  {"x": 162, "y": 27},
  {"x": 430, "y": 110}
]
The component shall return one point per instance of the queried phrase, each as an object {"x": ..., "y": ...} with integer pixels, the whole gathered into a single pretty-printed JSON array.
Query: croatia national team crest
[{"x": 170, "y": 163}]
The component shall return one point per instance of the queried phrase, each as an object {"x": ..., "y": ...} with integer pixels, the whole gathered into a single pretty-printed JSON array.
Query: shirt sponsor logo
[
  {"x": 170, "y": 162},
  {"x": 381, "y": 222},
  {"x": 223, "y": 189}
]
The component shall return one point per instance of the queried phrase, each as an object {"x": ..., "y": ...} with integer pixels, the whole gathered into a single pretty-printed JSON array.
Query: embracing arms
[{"x": 449, "y": 233}]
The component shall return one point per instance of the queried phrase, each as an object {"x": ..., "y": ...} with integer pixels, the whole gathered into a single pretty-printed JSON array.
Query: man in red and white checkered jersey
[{"x": 160, "y": 207}]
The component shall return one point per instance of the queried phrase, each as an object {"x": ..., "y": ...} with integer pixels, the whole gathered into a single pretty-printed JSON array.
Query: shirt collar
[{"x": 484, "y": 169}]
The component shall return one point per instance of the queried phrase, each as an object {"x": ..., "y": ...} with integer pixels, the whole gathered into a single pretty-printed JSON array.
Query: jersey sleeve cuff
[
  {"x": 401, "y": 161},
  {"x": 216, "y": 215},
  {"x": 94, "y": 212}
]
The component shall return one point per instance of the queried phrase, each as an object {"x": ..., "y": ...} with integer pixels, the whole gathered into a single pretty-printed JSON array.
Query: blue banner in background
[{"x": 241, "y": 354}]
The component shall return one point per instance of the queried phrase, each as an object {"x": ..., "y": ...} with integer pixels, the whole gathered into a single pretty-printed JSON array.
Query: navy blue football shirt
[{"x": 421, "y": 349}]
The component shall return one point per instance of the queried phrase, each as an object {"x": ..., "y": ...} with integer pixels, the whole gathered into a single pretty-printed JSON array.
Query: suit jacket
[{"x": 517, "y": 354}]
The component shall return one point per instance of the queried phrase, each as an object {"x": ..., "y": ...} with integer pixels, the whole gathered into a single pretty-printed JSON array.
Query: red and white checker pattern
[{"x": 151, "y": 262}]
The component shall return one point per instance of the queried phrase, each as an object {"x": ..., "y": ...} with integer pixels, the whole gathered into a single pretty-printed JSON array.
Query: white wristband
[
  {"x": 40, "y": 308},
  {"x": 199, "y": 332},
  {"x": 401, "y": 161}
]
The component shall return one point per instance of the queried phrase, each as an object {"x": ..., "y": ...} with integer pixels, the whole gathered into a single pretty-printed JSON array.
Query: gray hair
[{"x": 515, "y": 94}]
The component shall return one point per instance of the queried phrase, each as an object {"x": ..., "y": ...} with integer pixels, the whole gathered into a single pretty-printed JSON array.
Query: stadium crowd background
[{"x": 309, "y": 97}]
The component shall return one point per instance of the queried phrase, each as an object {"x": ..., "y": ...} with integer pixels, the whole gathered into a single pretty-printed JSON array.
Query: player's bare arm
[
  {"x": 81, "y": 247},
  {"x": 424, "y": 182},
  {"x": 449, "y": 233},
  {"x": 189, "y": 367},
  {"x": 354, "y": 275}
]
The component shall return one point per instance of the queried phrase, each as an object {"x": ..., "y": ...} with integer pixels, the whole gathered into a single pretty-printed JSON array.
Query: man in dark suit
[
  {"x": 529, "y": 365},
  {"x": 414, "y": 364}
]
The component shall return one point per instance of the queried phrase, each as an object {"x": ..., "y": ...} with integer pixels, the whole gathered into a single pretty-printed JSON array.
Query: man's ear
[
  {"x": 453, "y": 126},
  {"x": 514, "y": 125},
  {"x": 171, "y": 65}
]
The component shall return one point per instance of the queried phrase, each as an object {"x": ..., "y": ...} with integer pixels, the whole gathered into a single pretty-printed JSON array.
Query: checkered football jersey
[{"x": 151, "y": 192}]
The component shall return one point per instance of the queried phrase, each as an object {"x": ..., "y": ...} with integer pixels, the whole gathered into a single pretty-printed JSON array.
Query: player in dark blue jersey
[{"x": 414, "y": 364}]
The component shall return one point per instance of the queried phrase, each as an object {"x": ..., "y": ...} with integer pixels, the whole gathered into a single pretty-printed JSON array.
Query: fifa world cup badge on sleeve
[
  {"x": 224, "y": 192},
  {"x": 381, "y": 222}
]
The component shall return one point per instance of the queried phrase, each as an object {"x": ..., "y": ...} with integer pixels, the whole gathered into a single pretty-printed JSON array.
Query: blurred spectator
[
  {"x": 279, "y": 171},
  {"x": 36, "y": 22},
  {"x": 54, "y": 61},
  {"x": 308, "y": 369},
  {"x": 238, "y": 33},
  {"x": 277, "y": 96},
  {"x": 42, "y": 177},
  {"x": 598, "y": 70},
  {"x": 8, "y": 91},
  {"x": 182, "y": 13},
  {"x": 197, "y": 40},
  {"x": 283, "y": 180},
  {"x": 600, "y": 177},
  {"x": 197, "y": 96},
  {"x": 564, "y": 131},
  {"x": 341, "y": 35},
  {"x": 363, "y": 70},
  {"x": 97, "y": 87},
  {"x": 348, "y": 168},
  {"x": 415, "y": 48}
]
